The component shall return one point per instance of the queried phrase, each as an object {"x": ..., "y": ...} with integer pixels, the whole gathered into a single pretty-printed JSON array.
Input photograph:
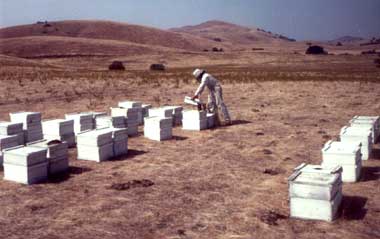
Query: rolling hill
[
  {"x": 232, "y": 34},
  {"x": 106, "y": 30},
  {"x": 75, "y": 38},
  {"x": 347, "y": 40}
]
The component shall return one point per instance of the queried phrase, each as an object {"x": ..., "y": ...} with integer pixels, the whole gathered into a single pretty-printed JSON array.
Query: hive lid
[
  {"x": 10, "y": 124},
  {"x": 355, "y": 131},
  {"x": 316, "y": 175},
  {"x": 78, "y": 115},
  {"x": 24, "y": 151},
  {"x": 341, "y": 147},
  {"x": 58, "y": 122},
  {"x": 364, "y": 118},
  {"x": 95, "y": 133},
  {"x": 130, "y": 104}
]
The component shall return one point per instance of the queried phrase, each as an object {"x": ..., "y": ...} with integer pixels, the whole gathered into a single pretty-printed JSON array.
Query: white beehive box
[
  {"x": 136, "y": 105},
  {"x": 95, "y": 114},
  {"x": 68, "y": 138},
  {"x": 58, "y": 127},
  {"x": 145, "y": 110},
  {"x": 31, "y": 124},
  {"x": 95, "y": 145},
  {"x": 82, "y": 121},
  {"x": 163, "y": 112},
  {"x": 358, "y": 135},
  {"x": 176, "y": 114},
  {"x": 367, "y": 122},
  {"x": 120, "y": 141},
  {"x": 111, "y": 121},
  {"x": 315, "y": 192},
  {"x": 6, "y": 142},
  {"x": 33, "y": 135},
  {"x": 194, "y": 120},
  {"x": 374, "y": 120},
  {"x": 347, "y": 155},
  {"x": 57, "y": 155},
  {"x": 94, "y": 153},
  {"x": 132, "y": 115},
  {"x": 27, "y": 118},
  {"x": 129, "y": 104},
  {"x": 10, "y": 128},
  {"x": 97, "y": 137},
  {"x": 158, "y": 128},
  {"x": 25, "y": 165}
]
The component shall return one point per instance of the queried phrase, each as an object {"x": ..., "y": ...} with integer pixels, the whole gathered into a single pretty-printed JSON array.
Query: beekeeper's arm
[{"x": 200, "y": 88}]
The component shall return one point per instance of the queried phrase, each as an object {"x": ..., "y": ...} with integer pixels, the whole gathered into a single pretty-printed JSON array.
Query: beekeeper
[{"x": 215, "y": 97}]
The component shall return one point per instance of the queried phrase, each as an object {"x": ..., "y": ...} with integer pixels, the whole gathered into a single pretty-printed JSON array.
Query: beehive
[{"x": 315, "y": 192}]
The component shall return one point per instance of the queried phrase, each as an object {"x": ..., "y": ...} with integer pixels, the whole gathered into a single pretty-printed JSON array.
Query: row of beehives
[
  {"x": 315, "y": 191},
  {"x": 33, "y": 150}
]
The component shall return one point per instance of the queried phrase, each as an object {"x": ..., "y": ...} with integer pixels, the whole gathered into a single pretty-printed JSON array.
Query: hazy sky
[{"x": 300, "y": 19}]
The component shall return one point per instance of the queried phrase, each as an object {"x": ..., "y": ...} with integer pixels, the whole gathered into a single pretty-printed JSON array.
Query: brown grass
[{"x": 230, "y": 182}]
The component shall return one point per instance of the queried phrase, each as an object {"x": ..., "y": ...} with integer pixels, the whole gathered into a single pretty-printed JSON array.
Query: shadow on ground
[
  {"x": 370, "y": 174},
  {"x": 179, "y": 138},
  {"x": 375, "y": 153},
  {"x": 240, "y": 122},
  {"x": 353, "y": 207},
  {"x": 73, "y": 170},
  {"x": 132, "y": 153}
]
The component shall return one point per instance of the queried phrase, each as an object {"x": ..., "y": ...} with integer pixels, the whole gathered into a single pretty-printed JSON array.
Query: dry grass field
[
  {"x": 225, "y": 183},
  {"x": 230, "y": 182}
]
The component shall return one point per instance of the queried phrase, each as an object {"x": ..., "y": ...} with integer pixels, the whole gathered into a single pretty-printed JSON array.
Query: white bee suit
[{"x": 215, "y": 97}]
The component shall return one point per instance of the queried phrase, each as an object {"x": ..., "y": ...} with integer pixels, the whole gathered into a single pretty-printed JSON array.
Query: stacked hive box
[
  {"x": 6, "y": 142},
  {"x": 132, "y": 115},
  {"x": 82, "y": 121},
  {"x": 358, "y": 135},
  {"x": 315, "y": 192},
  {"x": 56, "y": 154},
  {"x": 145, "y": 110},
  {"x": 95, "y": 145},
  {"x": 211, "y": 120},
  {"x": 32, "y": 125},
  {"x": 194, "y": 120},
  {"x": 111, "y": 121},
  {"x": 96, "y": 114},
  {"x": 163, "y": 112},
  {"x": 120, "y": 141},
  {"x": 137, "y": 106},
  {"x": 9, "y": 128},
  {"x": 347, "y": 155},
  {"x": 158, "y": 128},
  {"x": 25, "y": 165},
  {"x": 365, "y": 122},
  {"x": 176, "y": 114},
  {"x": 59, "y": 129}
]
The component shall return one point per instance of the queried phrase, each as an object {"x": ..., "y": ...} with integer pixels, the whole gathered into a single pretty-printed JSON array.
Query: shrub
[
  {"x": 157, "y": 67},
  {"x": 116, "y": 65},
  {"x": 370, "y": 52},
  {"x": 316, "y": 50}
]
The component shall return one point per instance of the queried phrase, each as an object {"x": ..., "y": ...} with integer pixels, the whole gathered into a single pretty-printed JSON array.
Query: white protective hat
[{"x": 198, "y": 72}]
